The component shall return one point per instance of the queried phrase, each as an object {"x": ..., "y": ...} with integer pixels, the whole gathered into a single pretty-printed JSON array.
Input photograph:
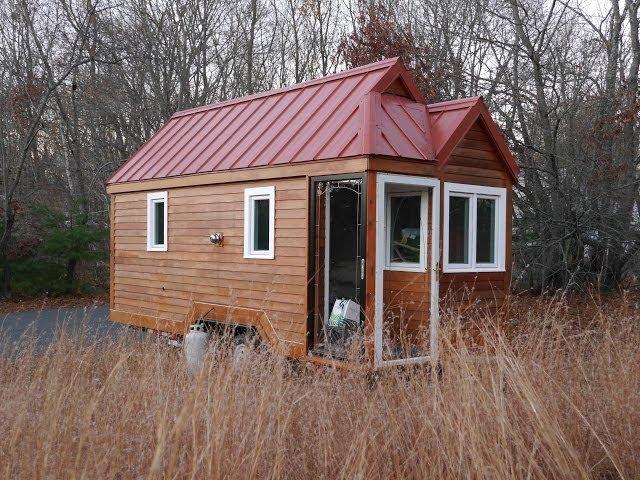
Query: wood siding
[
  {"x": 476, "y": 161},
  {"x": 165, "y": 285},
  {"x": 407, "y": 303}
]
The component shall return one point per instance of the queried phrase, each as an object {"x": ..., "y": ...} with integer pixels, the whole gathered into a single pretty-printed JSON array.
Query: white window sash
[
  {"x": 470, "y": 233},
  {"x": 407, "y": 266},
  {"x": 250, "y": 197},
  {"x": 496, "y": 233},
  {"x": 474, "y": 192},
  {"x": 154, "y": 198}
]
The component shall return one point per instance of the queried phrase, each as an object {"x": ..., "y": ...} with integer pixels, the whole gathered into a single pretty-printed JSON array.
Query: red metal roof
[
  {"x": 374, "y": 109},
  {"x": 450, "y": 122}
]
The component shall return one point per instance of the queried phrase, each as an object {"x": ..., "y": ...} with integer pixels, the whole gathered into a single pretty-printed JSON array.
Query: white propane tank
[{"x": 195, "y": 346}]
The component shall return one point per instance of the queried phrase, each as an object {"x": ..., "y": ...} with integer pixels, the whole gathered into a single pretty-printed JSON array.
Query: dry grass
[{"x": 557, "y": 401}]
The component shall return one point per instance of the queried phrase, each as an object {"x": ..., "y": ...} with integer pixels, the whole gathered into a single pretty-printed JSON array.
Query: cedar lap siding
[{"x": 365, "y": 120}]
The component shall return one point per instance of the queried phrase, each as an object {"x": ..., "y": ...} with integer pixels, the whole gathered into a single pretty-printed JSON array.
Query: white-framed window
[
  {"x": 157, "y": 221},
  {"x": 259, "y": 222},
  {"x": 406, "y": 221},
  {"x": 474, "y": 228}
]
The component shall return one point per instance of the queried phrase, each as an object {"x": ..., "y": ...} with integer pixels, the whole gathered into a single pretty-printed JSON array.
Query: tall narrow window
[
  {"x": 486, "y": 228},
  {"x": 459, "y": 229},
  {"x": 474, "y": 228},
  {"x": 157, "y": 221},
  {"x": 259, "y": 222},
  {"x": 406, "y": 223}
]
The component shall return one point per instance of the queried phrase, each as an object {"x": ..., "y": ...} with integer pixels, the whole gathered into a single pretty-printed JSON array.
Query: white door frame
[
  {"x": 327, "y": 253},
  {"x": 434, "y": 184}
]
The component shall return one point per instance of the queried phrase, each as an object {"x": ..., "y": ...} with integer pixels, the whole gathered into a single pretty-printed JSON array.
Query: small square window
[
  {"x": 157, "y": 221},
  {"x": 259, "y": 222}
]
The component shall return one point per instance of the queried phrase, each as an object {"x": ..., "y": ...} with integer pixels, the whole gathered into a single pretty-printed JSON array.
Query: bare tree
[
  {"x": 23, "y": 17},
  {"x": 85, "y": 82}
]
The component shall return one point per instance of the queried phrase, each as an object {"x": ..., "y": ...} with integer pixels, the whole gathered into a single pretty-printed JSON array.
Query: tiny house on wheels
[{"x": 337, "y": 207}]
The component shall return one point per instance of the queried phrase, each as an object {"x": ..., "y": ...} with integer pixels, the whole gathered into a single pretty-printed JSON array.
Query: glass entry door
[
  {"x": 338, "y": 264},
  {"x": 407, "y": 256},
  {"x": 406, "y": 275}
]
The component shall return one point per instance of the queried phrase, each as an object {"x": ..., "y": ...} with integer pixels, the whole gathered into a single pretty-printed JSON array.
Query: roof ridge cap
[
  {"x": 458, "y": 102},
  {"x": 309, "y": 83}
]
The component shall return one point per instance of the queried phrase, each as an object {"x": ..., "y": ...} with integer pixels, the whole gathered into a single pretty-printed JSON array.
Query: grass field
[{"x": 560, "y": 398}]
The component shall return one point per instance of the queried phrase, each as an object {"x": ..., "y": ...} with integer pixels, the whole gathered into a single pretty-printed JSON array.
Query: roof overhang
[{"x": 467, "y": 111}]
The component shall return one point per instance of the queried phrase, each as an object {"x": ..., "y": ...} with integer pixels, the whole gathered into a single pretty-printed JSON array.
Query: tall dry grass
[{"x": 556, "y": 400}]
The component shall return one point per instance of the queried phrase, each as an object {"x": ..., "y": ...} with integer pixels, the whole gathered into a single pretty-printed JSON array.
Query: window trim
[
  {"x": 400, "y": 266},
  {"x": 152, "y": 199},
  {"x": 250, "y": 195},
  {"x": 474, "y": 192}
]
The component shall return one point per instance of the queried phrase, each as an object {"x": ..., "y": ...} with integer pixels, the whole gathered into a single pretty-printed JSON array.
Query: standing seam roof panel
[
  {"x": 233, "y": 159},
  {"x": 255, "y": 150},
  {"x": 342, "y": 115},
  {"x": 208, "y": 123},
  {"x": 265, "y": 156},
  {"x": 190, "y": 162},
  {"x": 160, "y": 167},
  {"x": 124, "y": 173},
  {"x": 349, "y": 132},
  {"x": 301, "y": 131},
  {"x": 243, "y": 136},
  {"x": 237, "y": 124},
  {"x": 332, "y": 123}
]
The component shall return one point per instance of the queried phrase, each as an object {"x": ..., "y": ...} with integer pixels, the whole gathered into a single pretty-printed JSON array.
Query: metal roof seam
[
  {"x": 422, "y": 128},
  {"x": 155, "y": 137},
  {"x": 172, "y": 152},
  {"x": 237, "y": 136},
  {"x": 269, "y": 141},
  {"x": 343, "y": 131},
  {"x": 258, "y": 132},
  {"x": 147, "y": 157},
  {"x": 156, "y": 141},
  {"x": 207, "y": 159},
  {"x": 224, "y": 113},
  {"x": 348, "y": 144},
  {"x": 388, "y": 142}
]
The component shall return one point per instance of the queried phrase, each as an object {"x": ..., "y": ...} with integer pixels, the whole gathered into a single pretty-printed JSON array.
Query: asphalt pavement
[{"x": 42, "y": 325}]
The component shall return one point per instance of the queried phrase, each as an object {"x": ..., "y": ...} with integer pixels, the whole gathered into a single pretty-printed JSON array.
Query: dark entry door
[{"x": 337, "y": 273}]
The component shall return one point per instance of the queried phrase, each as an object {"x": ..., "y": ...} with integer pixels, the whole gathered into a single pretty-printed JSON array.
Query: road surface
[{"x": 43, "y": 324}]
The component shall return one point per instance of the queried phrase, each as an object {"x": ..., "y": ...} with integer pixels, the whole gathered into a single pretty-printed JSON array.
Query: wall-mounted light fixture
[{"x": 217, "y": 239}]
